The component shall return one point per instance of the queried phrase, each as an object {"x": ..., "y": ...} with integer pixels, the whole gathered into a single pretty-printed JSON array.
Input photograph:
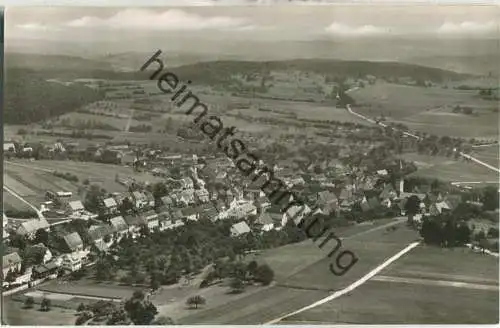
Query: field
[
  {"x": 88, "y": 288},
  {"x": 427, "y": 286},
  {"x": 103, "y": 174},
  {"x": 429, "y": 109},
  {"x": 14, "y": 314},
  {"x": 488, "y": 155},
  {"x": 449, "y": 169},
  {"x": 32, "y": 184},
  {"x": 306, "y": 277},
  {"x": 12, "y": 203}
]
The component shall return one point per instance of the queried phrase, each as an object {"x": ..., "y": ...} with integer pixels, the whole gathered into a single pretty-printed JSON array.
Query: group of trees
[
  {"x": 162, "y": 258},
  {"x": 239, "y": 273},
  {"x": 137, "y": 310},
  {"x": 45, "y": 304},
  {"x": 66, "y": 176},
  {"x": 29, "y": 98}
]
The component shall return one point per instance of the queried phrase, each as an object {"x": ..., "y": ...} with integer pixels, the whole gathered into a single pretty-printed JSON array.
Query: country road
[
  {"x": 284, "y": 298},
  {"x": 351, "y": 287},
  {"x": 13, "y": 193},
  {"x": 466, "y": 156}
]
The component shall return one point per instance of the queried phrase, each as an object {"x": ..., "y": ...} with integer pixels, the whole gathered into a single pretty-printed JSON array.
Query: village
[{"x": 206, "y": 188}]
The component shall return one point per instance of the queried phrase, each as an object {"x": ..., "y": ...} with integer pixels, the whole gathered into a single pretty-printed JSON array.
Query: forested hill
[
  {"x": 29, "y": 98},
  {"x": 222, "y": 70},
  {"x": 218, "y": 72}
]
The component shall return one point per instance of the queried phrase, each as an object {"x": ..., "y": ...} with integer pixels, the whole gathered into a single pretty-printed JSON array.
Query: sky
[
  {"x": 252, "y": 22},
  {"x": 358, "y": 31}
]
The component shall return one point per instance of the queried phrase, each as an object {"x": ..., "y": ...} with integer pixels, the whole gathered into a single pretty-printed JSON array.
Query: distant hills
[
  {"x": 122, "y": 66},
  {"x": 30, "y": 98}
]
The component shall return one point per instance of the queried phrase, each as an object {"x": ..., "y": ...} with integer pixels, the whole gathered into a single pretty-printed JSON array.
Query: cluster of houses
[{"x": 211, "y": 189}]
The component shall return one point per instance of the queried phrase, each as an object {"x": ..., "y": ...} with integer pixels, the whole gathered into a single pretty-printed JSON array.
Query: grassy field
[
  {"x": 390, "y": 303},
  {"x": 33, "y": 184},
  {"x": 13, "y": 203},
  {"x": 429, "y": 109},
  {"x": 383, "y": 302},
  {"x": 444, "y": 122},
  {"x": 306, "y": 279},
  {"x": 402, "y": 101},
  {"x": 488, "y": 155},
  {"x": 105, "y": 173},
  {"x": 449, "y": 169},
  {"x": 14, "y": 314},
  {"x": 119, "y": 123},
  {"x": 88, "y": 287},
  {"x": 456, "y": 264}
]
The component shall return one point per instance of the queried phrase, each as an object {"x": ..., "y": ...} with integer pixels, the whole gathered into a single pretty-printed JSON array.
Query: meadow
[
  {"x": 429, "y": 110},
  {"x": 14, "y": 314},
  {"x": 449, "y": 169},
  {"x": 381, "y": 301},
  {"x": 303, "y": 277}
]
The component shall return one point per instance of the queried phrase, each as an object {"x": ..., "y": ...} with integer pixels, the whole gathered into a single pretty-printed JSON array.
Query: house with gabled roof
[
  {"x": 438, "y": 208},
  {"x": 186, "y": 197},
  {"x": 119, "y": 226},
  {"x": 327, "y": 201},
  {"x": 201, "y": 196},
  {"x": 190, "y": 213},
  {"x": 110, "y": 205},
  {"x": 278, "y": 216},
  {"x": 239, "y": 229},
  {"x": 73, "y": 243},
  {"x": 242, "y": 209},
  {"x": 208, "y": 211},
  {"x": 140, "y": 199},
  {"x": 29, "y": 228},
  {"x": 152, "y": 220},
  {"x": 99, "y": 232},
  {"x": 76, "y": 207},
  {"x": 262, "y": 204},
  {"x": 264, "y": 222},
  {"x": 135, "y": 223},
  {"x": 187, "y": 183},
  {"x": 167, "y": 201},
  {"x": 296, "y": 213},
  {"x": 11, "y": 262}
]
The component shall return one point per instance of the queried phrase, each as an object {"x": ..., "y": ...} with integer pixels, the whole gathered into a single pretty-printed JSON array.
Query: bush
[
  {"x": 195, "y": 301},
  {"x": 264, "y": 274},
  {"x": 29, "y": 302}
]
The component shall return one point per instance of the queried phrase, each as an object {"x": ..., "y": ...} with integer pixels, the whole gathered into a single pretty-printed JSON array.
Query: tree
[
  {"x": 140, "y": 310},
  {"x": 126, "y": 206},
  {"x": 252, "y": 267},
  {"x": 41, "y": 236},
  {"x": 264, "y": 274},
  {"x": 237, "y": 285},
  {"x": 29, "y": 302},
  {"x": 45, "y": 305},
  {"x": 94, "y": 200},
  {"x": 81, "y": 308},
  {"x": 104, "y": 270},
  {"x": 83, "y": 318},
  {"x": 10, "y": 276},
  {"x": 412, "y": 207},
  {"x": 490, "y": 198},
  {"x": 195, "y": 301},
  {"x": 163, "y": 321}
]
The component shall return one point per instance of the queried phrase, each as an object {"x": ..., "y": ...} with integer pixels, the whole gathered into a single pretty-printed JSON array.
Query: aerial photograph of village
[{"x": 251, "y": 164}]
